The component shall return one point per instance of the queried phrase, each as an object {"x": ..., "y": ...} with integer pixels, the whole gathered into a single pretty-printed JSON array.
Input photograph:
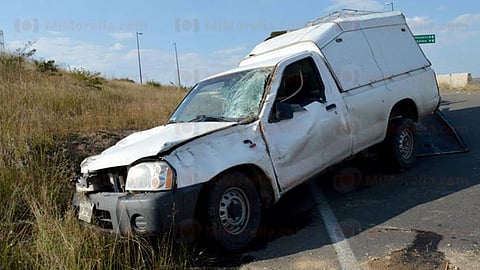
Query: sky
[{"x": 210, "y": 37}]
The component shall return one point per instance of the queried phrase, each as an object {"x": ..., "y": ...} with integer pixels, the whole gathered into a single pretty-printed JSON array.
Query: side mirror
[{"x": 283, "y": 111}]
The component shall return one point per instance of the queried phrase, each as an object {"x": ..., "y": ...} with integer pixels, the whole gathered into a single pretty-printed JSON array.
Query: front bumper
[{"x": 145, "y": 213}]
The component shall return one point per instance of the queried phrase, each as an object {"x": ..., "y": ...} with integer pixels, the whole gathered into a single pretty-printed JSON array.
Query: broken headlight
[{"x": 149, "y": 176}]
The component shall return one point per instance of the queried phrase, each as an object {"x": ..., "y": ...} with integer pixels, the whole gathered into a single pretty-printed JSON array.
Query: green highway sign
[{"x": 425, "y": 39}]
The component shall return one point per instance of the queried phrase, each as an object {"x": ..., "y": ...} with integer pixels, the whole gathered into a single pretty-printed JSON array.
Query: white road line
[{"x": 340, "y": 244}]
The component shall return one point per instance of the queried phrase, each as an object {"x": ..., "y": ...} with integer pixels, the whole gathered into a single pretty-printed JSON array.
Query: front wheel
[
  {"x": 233, "y": 211},
  {"x": 402, "y": 143}
]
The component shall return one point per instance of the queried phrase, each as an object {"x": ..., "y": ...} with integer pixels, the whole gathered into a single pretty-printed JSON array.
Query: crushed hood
[{"x": 149, "y": 143}]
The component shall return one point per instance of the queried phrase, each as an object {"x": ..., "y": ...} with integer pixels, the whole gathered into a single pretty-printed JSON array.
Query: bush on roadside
[{"x": 46, "y": 66}]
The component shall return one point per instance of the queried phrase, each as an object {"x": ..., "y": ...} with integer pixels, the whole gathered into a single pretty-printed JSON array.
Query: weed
[
  {"x": 467, "y": 88},
  {"x": 46, "y": 66},
  {"x": 125, "y": 80},
  {"x": 154, "y": 84},
  {"x": 92, "y": 79},
  {"x": 40, "y": 114}
]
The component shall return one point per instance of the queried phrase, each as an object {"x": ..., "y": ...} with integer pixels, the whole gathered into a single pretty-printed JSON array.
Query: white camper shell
[
  {"x": 360, "y": 50},
  {"x": 300, "y": 103}
]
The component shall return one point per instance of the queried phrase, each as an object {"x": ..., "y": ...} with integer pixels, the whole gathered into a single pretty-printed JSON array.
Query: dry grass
[
  {"x": 469, "y": 88},
  {"x": 39, "y": 112}
]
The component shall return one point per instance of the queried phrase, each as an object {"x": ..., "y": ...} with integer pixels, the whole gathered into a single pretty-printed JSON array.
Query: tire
[
  {"x": 402, "y": 144},
  {"x": 233, "y": 211}
]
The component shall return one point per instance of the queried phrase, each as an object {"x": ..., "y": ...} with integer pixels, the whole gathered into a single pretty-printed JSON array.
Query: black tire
[
  {"x": 401, "y": 143},
  {"x": 233, "y": 211}
]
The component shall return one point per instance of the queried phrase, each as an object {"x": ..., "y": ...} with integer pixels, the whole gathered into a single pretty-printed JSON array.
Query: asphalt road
[{"x": 426, "y": 218}]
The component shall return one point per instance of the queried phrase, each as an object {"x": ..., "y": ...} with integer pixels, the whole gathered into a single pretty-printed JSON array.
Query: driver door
[{"x": 305, "y": 143}]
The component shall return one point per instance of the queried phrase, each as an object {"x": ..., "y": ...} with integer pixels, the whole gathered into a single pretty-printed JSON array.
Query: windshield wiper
[
  {"x": 206, "y": 118},
  {"x": 247, "y": 120}
]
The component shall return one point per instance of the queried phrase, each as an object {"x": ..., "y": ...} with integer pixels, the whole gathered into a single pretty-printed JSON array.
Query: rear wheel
[
  {"x": 233, "y": 211},
  {"x": 402, "y": 143}
]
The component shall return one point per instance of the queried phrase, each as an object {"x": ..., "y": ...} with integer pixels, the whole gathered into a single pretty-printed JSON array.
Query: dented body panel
[
  {"x": 148, "y": 143},
  {"x": 201, "y": 160},
  {"x": 295, "y": 143}
]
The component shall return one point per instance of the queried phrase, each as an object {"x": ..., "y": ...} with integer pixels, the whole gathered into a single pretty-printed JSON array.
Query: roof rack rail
[{"x": 343, "y": 13}]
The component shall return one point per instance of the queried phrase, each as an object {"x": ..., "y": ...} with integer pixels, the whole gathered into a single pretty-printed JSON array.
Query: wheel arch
[
  {"x": 258, "y": 177},
  {"x": 405, "y": 108}
]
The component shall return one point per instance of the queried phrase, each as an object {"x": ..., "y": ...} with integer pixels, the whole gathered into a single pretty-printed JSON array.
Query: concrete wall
[{"x": 455, "y": 80}]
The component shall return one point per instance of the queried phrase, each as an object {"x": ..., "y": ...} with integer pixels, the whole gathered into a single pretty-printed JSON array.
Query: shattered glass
[{"x": 231, "y": 97}]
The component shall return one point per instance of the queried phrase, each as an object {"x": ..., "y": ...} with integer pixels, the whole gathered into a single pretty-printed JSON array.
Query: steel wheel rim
[
  {"x": 234, "y": 210},
  {"x": 406, "y": 144}
]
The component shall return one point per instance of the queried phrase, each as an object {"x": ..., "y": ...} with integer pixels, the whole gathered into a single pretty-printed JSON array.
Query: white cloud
[
  {"x": 442, "y": 8},
  {"x": 122, "y": 35},
  {"x": 231, "y": 56},
  {"x": 455, "y": 45},
  {"x": 119, "y": 61},
  {"x": 194, "y": 66},
  {"x": 370, "y": 5},
  {"x": 231, "y": 51},
  {"x": 420, "y": 24},
  {"x": 118, "y": 46},
  {"x": 55, "y": 33},
  {"x": 467, "y": 19}
]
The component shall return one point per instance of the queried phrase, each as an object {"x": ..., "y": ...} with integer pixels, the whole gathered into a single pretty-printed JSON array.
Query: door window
[{"x": 300, "y": 86}]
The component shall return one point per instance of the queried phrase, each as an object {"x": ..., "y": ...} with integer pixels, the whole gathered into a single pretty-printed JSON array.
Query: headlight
[
  {"x": 85, "y": 164},
  {"x": 149, "y": 176}
]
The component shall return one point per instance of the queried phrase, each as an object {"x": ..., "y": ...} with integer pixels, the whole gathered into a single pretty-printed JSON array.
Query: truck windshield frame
[{"x": 229, "y": 98}]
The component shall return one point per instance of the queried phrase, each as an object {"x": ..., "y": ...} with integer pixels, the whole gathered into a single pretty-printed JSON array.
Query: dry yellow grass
[
  {"x": 469, "y": 88},
  {"x": 39, "y": 112},
  {"x": 58, "y": 104}
]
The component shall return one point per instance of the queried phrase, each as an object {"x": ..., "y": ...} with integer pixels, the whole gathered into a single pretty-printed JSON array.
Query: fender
[{"x": 201, "y": 160}]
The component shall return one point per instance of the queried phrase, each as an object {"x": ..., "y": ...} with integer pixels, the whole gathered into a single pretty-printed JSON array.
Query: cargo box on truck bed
[{"x": 359, "y": 49}]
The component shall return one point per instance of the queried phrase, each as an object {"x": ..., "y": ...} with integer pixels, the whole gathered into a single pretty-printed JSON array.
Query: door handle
[
  {"x": 250, "y": 143},
  {"x": 331, "y": 107}
]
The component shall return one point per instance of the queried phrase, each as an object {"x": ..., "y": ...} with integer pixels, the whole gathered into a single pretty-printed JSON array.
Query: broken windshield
[{"x": 229, "y": 98}]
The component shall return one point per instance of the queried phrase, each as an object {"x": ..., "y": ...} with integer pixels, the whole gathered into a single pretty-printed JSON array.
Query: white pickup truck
[{"x": 301, "y": 102}]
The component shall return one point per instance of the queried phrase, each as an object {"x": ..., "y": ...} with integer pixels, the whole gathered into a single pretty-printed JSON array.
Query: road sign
[{"x": 425, "y": 39}]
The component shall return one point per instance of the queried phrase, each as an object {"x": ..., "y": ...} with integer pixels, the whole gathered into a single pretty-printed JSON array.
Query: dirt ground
[
  {"x": 79, "y": 146},
  {"x": 423, "y": 254}
]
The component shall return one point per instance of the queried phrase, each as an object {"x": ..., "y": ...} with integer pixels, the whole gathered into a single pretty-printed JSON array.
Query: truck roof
[{"x": 325, "y": 29}]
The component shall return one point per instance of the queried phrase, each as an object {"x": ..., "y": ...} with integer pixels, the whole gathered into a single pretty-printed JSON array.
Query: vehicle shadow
[{"x": 294, "y": 225}]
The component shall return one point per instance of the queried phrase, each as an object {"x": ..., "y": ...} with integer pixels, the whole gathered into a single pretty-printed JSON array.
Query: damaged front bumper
[{"x": 143, "y": 213}]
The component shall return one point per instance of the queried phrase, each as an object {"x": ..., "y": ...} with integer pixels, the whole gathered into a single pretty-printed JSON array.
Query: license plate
[{"x": 86, "y": 211}]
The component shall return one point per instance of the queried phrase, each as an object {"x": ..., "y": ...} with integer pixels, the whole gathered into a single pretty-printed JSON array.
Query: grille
[{"x": 103, "y": 219}]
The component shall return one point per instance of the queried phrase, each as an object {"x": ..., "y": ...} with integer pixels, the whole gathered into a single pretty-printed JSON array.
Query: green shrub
[
  {"x": 125, "y": 80},
  {"x": 91, "y": 78},
  {"x": 154, "y": 84},
  {"x": 46, "y": 66}
]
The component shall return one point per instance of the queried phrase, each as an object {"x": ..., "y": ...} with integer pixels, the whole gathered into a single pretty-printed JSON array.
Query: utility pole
[
  {"x": 389, "y": 4},
  {"x": 176, "y": 60},
  {"x": 2, "y": 42},
  {"x": 139, "y": 61}
]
